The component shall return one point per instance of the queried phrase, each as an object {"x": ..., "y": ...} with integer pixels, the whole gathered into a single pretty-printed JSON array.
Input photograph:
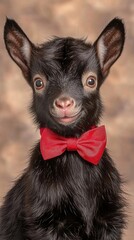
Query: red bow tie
[{"x": 90, "y": 145}]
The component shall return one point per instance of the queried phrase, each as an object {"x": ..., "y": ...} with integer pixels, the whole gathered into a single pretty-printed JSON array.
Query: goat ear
[
  {"x": 18, "y": 45},
  {"x": 109, "y": 44}
]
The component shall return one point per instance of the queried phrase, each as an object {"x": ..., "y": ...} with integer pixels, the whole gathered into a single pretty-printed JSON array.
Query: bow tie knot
[
  {"x": 90, "y": 145},
  {"x": 72, "y": 144}
]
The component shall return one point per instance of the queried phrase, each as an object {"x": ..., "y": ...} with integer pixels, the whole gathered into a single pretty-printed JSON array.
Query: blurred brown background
[{"x": 78, "y": 18}]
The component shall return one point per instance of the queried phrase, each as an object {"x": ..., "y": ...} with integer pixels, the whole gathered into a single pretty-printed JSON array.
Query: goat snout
[
  {"x": 65, "y": 110},
  {"x": 64, "y": 103}
]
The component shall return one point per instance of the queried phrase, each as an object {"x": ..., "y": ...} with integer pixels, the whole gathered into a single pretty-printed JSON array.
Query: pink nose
[{"x": 64, "y": 102}]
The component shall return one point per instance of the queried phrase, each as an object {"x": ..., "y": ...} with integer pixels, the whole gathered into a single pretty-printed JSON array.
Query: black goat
[{"x": 66, "y": 197}]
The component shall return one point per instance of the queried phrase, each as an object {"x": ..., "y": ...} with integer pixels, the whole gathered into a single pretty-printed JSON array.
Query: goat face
[
  {"x": 67, "y": 95},
  {"x": 65, "y": 75}
]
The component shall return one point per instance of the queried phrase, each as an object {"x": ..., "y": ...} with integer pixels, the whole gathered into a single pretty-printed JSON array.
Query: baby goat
[{"x": 71, "y": 189}]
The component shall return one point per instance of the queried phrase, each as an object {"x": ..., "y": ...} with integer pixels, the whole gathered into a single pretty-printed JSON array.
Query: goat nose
[{"x": 64, "y": 102}]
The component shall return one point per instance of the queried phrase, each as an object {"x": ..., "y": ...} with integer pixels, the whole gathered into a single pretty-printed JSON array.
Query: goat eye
[
  {"x": 38, "y": 84},
  {"x": 91, "y": 81}
]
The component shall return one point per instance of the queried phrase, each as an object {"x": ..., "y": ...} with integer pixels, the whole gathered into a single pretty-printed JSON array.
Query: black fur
[{"x": 65, "y": 198}]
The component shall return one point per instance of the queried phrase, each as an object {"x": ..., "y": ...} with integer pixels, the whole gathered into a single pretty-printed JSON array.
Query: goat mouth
[{"x": 66, "y": 120}]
